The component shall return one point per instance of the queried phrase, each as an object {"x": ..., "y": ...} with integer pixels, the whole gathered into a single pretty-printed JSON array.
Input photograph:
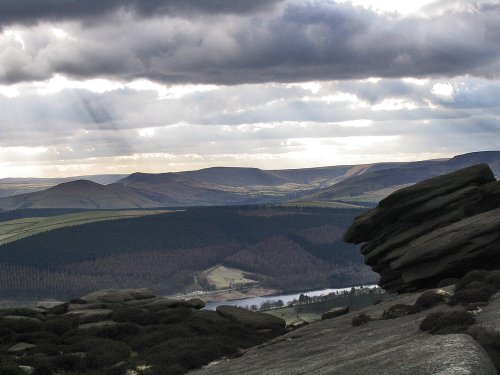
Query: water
[{"x": 247, "y": 302}]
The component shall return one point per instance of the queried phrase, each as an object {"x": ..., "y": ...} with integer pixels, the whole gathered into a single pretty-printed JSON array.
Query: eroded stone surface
[
  {"x": 165, "y": 303},
  {"x": 91, "y": 316},
  {"x": 21, "y": 347},
  {"x": 439, "y": 228},
  {"x": 117, "y": 295},
  {"x": 334, "y": 346}
]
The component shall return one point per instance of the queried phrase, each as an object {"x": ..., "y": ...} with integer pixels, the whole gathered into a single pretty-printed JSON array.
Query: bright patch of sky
[{"x": 384, "y": 6}]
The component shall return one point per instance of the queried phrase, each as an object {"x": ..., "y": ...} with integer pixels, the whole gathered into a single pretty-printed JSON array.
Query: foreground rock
[
  {"x": 127, "y": 331},
  {"x": 439, "y": 228},
  {"x": 117, "y": 295},
  {"x": 390, "y": 347}
]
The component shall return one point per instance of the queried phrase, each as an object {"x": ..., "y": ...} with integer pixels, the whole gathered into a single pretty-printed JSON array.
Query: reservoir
[{"x": 247, "y": 302}]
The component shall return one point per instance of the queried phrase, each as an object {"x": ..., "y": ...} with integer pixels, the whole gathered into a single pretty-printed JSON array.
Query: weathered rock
[
  {"x": 104, "y": 323},
  {"x": 58, "y": 309},
  {"x": 489, "y": 318},
  {"x": 19, "y": 317},
  {"x": 336, "y": 311},
  {"x": 140, "y": 302},
  {"x": 28, "y": 370},
  {"x": 88, "y": 306},
  {"x": 386, "y": 347},
  {"x": 249, "y": 318},
  {"x": 20, "y": 347},
  {"x": 117, "y": 295},
  {"x": 439, "y": 228},
  {"x": 91, "y": 316},
  {"x": 21, "y": 311},
  {"x": 448, "y": 281},
  {"x": 165, "y": 303}
]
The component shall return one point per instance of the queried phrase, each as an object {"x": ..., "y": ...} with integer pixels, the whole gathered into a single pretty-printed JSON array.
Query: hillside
[
  {"x": 14, "y": 230},
  {"x": 15, "y": 186},
  {"x": 235, "y": 186},
  {"x": 174, "y": 189},
  {"x": 279, "y": 248},
  {"x": 374, "y": 185},
  {"x": 79, "y": 194}
]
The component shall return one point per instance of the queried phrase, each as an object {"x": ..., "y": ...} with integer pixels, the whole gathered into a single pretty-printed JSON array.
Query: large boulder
[
  {"x": 91, "y": 315},
  {"x": 169, "y": 303},
  {"x": 21, "y": 347},
  {"x": 117, "y": 295},
  {"x": 249, "y": 318},
  {"x": 439, "y": 228}
]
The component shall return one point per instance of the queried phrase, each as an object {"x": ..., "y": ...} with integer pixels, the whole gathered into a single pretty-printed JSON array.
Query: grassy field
[
  {"x": 319, "y": 204},
  {"x": 374, "y": 196},
  {"x": 14, "y": 230},
  {"x": 313, "y": 311},
  {"x": 223, "y": 277}
]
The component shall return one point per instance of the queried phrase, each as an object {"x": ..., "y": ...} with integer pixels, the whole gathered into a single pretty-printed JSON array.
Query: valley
[
  {"x": 240, "y": 250},
  {"x": 344, "y": 185}
]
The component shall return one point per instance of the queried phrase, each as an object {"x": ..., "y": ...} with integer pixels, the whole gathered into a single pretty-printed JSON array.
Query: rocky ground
[
  {"x": 381, "y": 346},
  {"x": 126, "y": 332}
]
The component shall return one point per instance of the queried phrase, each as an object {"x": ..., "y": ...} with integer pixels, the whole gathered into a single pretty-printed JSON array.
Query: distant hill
[
  {"x": 376, "y": 184},
  {"x": 235, "y": 186},
  {"x": 241, "y": 177},
  {"x": 14, "y": 186},
  {"x": 79, "y": 194}
]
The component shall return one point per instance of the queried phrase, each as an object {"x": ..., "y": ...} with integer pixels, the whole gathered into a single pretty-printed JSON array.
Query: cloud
[
  {"x": 34, "y": 11},
  {"x": 136, "y": 127},
  {"x": 232, "y": 44}
]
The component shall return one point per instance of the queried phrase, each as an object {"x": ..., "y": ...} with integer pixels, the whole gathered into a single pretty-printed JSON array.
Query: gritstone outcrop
[{"x": 436, "y": 229}]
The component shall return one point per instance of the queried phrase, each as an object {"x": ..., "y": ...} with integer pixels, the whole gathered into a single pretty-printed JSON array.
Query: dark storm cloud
[
  {"x": 33, "y": 11},
  {"x": 300, "y": 42}
]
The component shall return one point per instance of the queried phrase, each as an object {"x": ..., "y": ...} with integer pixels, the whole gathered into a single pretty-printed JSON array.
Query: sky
[{"x": 119, "y": 86}]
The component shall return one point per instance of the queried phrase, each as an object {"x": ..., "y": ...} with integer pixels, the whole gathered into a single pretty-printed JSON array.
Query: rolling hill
[
  {"x": 235, "y": 186},
  {"x": 14, "y": 186},
  {"x": 376, "y": 184},
  {"x": 79, "y": 194}
]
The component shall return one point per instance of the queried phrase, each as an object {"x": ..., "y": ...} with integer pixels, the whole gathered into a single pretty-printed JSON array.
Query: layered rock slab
[
  {"x": 335, "y": 347},
  {"x": 439, "y": 228}
]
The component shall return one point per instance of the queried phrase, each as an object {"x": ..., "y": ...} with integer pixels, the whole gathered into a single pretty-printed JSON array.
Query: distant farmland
[{"x": 14, "y": 230}]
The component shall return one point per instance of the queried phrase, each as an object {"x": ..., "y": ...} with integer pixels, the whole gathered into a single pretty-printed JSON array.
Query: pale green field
[
  {"x": 14, "y": 230},
  {"x": 313, "y": 311},
  {"x": 291, "y": 315},
  {"x": 320, "y": 204},
  {"x": 224, "y": 277},
  {"x": 374, "y": 196}
]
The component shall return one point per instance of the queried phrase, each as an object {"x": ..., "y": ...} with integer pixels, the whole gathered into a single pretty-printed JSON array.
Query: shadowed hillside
[
  {"x": 236, "y": 186},
  {"x": 380, "y": 183},
  {"x": 279, "y": 248}
]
